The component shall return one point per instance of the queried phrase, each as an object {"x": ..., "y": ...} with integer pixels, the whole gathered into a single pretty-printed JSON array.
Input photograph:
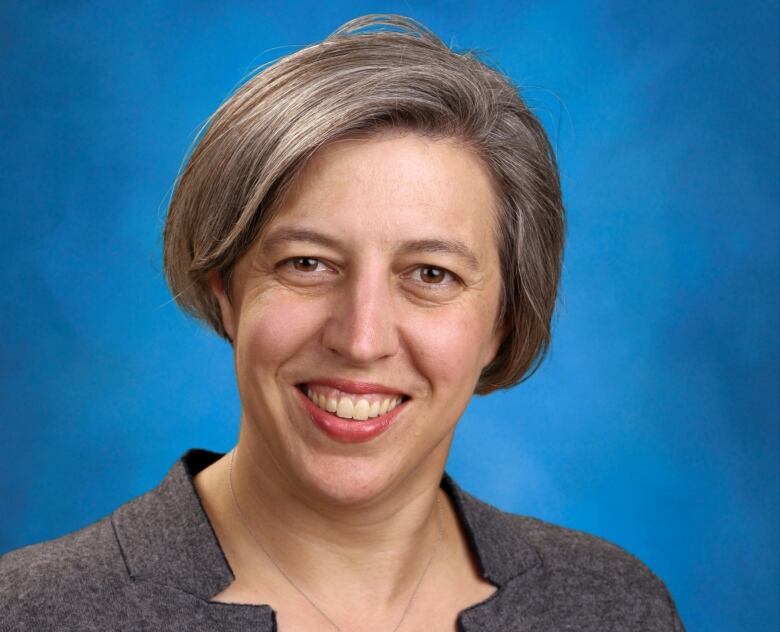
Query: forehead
[{"x": 394, "y": 186}]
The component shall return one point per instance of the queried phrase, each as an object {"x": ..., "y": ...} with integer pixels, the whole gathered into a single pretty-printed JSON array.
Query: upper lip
[{"x": 355, "y": 387}]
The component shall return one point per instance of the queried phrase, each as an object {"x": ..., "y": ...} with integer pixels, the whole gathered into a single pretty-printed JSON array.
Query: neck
[{"x": 373, "y": 552}]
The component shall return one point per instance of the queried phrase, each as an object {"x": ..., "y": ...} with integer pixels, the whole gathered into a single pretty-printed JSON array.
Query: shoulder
[
  {"x": 152, "y": 564},
  {"x": 558, "y": 570},
  {"x": 587, "y": 559},
  {"x": 587, "y": 571},
  {"x": 45, "y": 585},
  {"x": 578, "y": 553}
]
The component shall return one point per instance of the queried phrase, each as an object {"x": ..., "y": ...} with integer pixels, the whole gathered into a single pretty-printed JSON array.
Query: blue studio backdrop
[{"x": 652, "y": 423}]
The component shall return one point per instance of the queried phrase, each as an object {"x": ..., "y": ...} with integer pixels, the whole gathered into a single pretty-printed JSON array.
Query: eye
[
  {"x": 305, "y": 264},
  {"x": 305, "y": 270},
  {"x": 432, "y": 283},
  {"x": 432, "y": 275}
]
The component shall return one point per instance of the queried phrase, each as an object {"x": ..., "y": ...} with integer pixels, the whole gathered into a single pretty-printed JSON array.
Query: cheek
[
  {"x": 273, "y": 330},
  {"x": 448, "y": 346}
]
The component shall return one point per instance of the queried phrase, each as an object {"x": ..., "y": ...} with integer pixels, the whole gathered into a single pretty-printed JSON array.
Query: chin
[{"x": 348, "y": 481}]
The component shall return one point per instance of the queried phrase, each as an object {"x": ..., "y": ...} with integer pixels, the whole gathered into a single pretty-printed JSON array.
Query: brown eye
[
  {"x": 305, "y": 264},
  {"x": 429, "y": 274}
]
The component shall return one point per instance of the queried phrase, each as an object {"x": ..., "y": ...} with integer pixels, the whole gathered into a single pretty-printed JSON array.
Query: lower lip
[{"x": 345, "y": 430}]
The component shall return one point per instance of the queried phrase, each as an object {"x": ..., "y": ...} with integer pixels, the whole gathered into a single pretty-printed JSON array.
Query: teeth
[
  {"x": 361, "y": 410},
  {"x": 348, "y": 408},
  {"x": 344, "y": 408}
]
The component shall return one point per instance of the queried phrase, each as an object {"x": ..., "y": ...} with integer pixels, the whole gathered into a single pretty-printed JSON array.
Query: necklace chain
[{"x": 303, "y": 593}]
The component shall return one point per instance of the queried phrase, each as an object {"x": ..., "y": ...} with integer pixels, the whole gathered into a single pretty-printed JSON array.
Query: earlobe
[
  {"x": 225, "y": 306},
  {"x": 498, "y": 339}
]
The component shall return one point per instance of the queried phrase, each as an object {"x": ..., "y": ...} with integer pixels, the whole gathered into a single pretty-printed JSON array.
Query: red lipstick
[
  {"x": 347, "y": 430},
  {"x": 358, "y": 388}
]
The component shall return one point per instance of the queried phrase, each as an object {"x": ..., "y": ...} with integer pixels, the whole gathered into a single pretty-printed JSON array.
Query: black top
[{"x": 154, "y": 563}]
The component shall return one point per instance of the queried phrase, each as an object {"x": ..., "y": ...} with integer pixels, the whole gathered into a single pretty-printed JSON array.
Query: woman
[{"x": 375, "y": 225}]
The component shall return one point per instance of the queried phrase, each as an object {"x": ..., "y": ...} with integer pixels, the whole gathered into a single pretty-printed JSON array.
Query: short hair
[{"x": 374, "y": 73}]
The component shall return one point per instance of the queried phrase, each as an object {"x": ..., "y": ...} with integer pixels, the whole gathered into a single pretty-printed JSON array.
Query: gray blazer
[{"x": 155, "y": 561}]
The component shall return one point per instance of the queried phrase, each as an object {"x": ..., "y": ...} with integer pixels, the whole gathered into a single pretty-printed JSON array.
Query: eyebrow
[
  {"x": 453, "y": 247},
  {"x": 288, "y": 235},
  {"x": 442, "y": 246}
]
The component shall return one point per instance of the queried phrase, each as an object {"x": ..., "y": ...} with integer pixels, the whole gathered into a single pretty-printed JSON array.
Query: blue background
[{"x": 654, "y": 421}]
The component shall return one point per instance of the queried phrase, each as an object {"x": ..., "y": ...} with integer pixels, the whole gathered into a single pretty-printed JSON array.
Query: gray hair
[{"x": 373, "y": 73}]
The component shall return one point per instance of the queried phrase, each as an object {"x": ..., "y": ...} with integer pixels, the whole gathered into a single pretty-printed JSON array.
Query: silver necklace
[{"x": 259, "y": 543}]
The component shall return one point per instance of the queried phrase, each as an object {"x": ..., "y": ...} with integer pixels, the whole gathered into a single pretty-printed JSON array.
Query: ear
[
  {"x": 225, "y": 306},
  {"x": 499, "y": 335}
]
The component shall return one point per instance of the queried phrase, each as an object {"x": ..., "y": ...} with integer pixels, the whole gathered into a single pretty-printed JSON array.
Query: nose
[{"x": 361, "y": 327}]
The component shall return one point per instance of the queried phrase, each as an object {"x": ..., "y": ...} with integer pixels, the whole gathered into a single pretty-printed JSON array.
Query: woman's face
[{"x": 377, "y": 282}]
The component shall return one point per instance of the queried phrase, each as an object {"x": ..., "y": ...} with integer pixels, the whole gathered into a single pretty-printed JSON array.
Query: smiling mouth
[{"x": 351, "y": 406}]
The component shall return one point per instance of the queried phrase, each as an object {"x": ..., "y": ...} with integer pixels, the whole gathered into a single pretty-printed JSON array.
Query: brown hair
[{"x": 373, "y": 73}]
